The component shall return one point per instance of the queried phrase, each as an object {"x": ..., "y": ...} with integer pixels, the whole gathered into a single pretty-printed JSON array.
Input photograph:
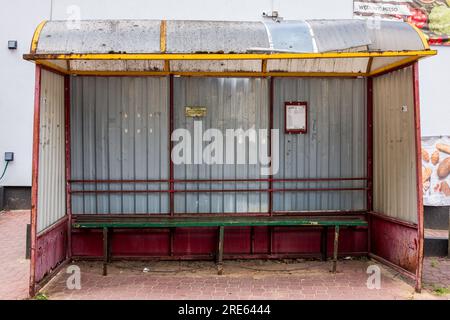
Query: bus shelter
[{"x": 111, "y": 96}]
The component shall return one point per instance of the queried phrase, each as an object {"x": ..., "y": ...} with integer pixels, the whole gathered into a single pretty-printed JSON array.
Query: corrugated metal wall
[
  {"x": 334, "y": 146},
  {"x": 231, "y": 103},
  {"x": 51, "y": 204},
  {"x": 119, "y": 130},
  {"x": 394, "y": 146}
]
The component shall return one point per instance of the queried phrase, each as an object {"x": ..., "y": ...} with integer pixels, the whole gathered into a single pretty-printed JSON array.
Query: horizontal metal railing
[{"x": 205, "y": 181}]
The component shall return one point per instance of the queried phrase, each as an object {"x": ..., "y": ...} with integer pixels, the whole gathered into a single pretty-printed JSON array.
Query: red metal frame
[
  {"x": 296, "y": 103},
  {"x": 369, "y": 203},
  {"x": 270, "y": 180},
  {"x": 413, "y": 233},
  {"x": 393, "y": 220},
  {"x": 54, "y": 226},
  {"x": 400, "y": 67},
  {"x": 35, "y": 170},
  {"x": 254, "y": 236},
  {"x": 270, "y": 204},
  {"x": 172, "y": 190},
  {"x": 393, "y": 266},
  {"x": 51, "y": 249},
  {"x": 418, "y": 137},
  {"x": 271, "y": 102},
  {"x": 68, "y": 162},
  {"x": 171, "y": 169},
  {"x": 171, "y": 127},
  {"x": 395, "y": 241},
  {"x": 44, "y": 67},
  {"x": 228, "y": 256},
  {"x": 219, "y": 191},
  {"x": 369, "y": 199},
  {"x": 220, "y": 180},
  {"x": 361, "y": 214},
  {"x": 190, "y": 243},
  {"x": 212, "y": 76}
]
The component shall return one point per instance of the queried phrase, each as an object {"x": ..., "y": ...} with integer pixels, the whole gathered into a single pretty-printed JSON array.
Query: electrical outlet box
[
  {"x": 9, "y": 156},
  {"x": 12, "y": 44}
]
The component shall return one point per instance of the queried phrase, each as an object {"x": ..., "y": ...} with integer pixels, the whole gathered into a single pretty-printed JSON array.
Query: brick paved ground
[
  {"x": 245, "y": 280},
  {"x": 436, "y": 273},
  {"x": 242, "y": 280},
  {"x": 197, "y": 280},
  {"x": 14, "y": 268}
]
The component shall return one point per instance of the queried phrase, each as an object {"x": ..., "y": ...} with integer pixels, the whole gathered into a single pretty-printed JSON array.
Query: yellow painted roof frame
[{"x": 43, "y": 59}]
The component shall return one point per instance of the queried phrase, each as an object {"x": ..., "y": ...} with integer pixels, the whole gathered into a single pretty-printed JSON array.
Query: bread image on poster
[{"x": 436, "y": 171}]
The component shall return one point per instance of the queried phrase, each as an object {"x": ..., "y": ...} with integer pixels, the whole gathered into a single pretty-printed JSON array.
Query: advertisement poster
[
  {"x": 430, "y": 16},
  {"x": 436, "y": 171}
]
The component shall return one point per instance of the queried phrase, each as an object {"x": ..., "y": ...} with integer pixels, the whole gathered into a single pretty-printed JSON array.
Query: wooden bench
[{"x": 107, "y": 223}]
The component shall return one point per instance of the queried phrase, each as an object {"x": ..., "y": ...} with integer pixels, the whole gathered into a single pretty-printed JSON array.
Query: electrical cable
[{"x": 4, "y": 170}]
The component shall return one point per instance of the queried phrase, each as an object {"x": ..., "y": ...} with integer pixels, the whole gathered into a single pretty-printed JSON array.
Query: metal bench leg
[
  {"x": 105, "y": 251},
  {"x": 110, "y": 235},
  {"x": 335, "y": 249},
  {"x": 219, "y": 257},
  {"x": 324, "y": 243}
]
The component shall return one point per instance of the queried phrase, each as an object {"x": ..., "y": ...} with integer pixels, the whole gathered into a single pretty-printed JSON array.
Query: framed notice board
[{"x": 296, "y": 117}]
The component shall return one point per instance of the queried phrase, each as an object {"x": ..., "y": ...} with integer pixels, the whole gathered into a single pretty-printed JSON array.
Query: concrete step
[{"x": 436, "y": 243}]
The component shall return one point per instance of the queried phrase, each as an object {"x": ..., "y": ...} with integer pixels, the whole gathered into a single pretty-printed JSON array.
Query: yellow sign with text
[{"x": 195, "y": 112}]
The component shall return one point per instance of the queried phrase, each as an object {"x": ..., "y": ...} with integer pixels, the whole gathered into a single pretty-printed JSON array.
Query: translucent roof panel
[{"x": 148, "y": 36}]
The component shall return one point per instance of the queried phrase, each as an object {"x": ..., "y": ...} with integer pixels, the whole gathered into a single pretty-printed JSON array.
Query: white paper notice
[{"x": 295, "y": 117}]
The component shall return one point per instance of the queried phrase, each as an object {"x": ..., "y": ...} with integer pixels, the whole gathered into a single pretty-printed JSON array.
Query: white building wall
[
  {"x": 434, "y": 86},
  {"x": 205, "y": 9},
  {"x": 19, "y": 18}
]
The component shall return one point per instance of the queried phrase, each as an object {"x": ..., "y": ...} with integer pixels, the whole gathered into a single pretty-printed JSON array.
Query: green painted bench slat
[{"x": 220, "y": 222}]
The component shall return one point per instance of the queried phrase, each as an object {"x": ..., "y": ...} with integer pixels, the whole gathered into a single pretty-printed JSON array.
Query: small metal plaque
[{"x": 195, "y": 112}]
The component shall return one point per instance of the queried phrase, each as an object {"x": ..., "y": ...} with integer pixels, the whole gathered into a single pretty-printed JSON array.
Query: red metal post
[
  {"x": 418, "y": 137},
  {"x": 34, "y": 179},
  {"x": 271, "y": 97},
  {"x": 369, "y": 144},
  {"x": 369, "y": 174},
  {"x": 171, "y": 175},
  {"x": 171, "y": 184},
  {"x": 68, "y": 163},
  {"x": 270, "y": 209}
]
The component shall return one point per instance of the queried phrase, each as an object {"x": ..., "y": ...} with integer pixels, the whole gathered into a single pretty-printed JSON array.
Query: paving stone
[
  {"x": 309, "y": 280},
  {"x": 14, "y": 267}
]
